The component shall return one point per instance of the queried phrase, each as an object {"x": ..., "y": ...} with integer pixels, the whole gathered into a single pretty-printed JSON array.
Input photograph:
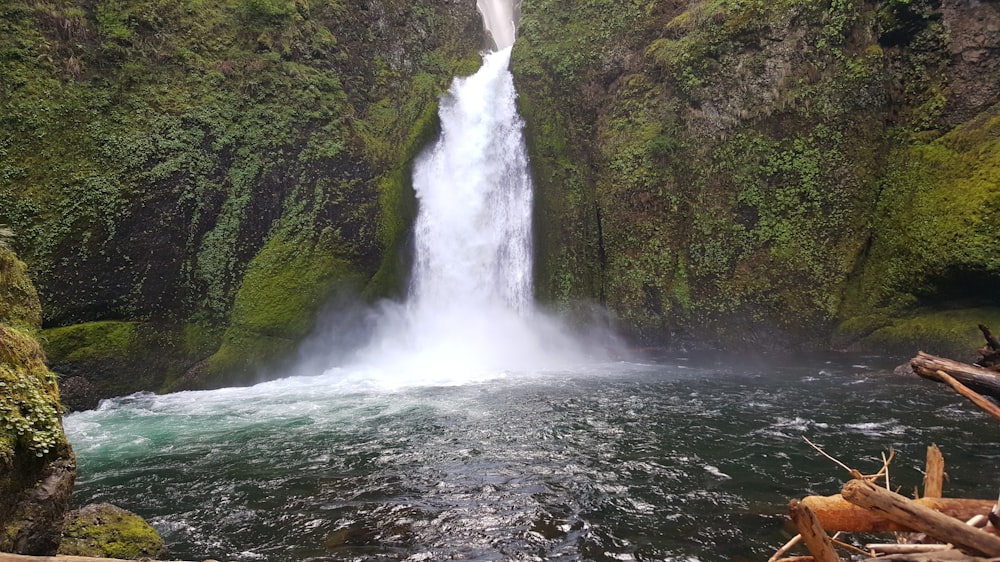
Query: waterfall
[
  {"x": 470, "y": 309},
  {"x": 500, "y": 19},
  {"x": 473, "y": 230}
]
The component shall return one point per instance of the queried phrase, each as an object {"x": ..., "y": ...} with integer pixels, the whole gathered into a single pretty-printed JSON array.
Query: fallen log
[
  {"x": 837, "y": 514},
  {"x": 952, "y": 555},
  {"x": 896, "y": 548},
  {"x": 976, "y": 398},
  {"x": 978, "y": 379},
  {"x": 920, "y": 518}
]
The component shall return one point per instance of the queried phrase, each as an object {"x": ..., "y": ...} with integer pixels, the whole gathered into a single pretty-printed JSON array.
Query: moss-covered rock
[
  {"x": 934, "y": 255},
  {"x": 722, "y": 172},
  {"x": 108, "y": 531},
  {"x": 37, "y": 467},
  {"x": 114, "y": 358},
  {"x": 178, "y": 166}
]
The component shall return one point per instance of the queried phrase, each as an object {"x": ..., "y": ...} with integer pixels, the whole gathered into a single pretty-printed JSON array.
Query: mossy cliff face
[
  {"x": 205, "y": 173},
  {"x": 731, "y": 172},
  {"x": 37, "y": 467},
  {"x": 933, "y": 265}
]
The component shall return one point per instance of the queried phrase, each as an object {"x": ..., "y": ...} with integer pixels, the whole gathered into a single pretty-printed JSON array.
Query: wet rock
[{"x": 78, "y": 394}]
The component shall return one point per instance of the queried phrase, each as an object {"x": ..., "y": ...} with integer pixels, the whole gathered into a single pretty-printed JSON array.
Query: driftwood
[
  {"x": 912, "y": 514},
  {"x": 937, "y": 556},
  {"x": 816, "y": 539},
  {"x": 976, "y": 398},
  {"x": 934, "y": 475},
  {"x": 837, "y": 514},
  {"x": 978, "y": 379},
  {"x": 896, "y": 548}
]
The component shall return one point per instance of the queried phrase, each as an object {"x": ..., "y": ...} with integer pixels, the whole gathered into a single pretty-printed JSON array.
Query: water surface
[{"x": 677, "y": 459}]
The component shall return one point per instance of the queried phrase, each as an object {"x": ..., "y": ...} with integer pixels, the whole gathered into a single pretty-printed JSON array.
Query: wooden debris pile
[{"x": 928, "y": 529}]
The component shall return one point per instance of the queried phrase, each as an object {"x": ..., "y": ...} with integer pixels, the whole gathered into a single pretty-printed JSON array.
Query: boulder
[{"x": 107, "y": 531}]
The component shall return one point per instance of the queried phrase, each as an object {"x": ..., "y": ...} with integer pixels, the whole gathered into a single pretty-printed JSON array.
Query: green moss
[
  {"x": 931, "y": 273},
  {"x": 721, "y": 186},
  {"x": 92, "y": 340},
  {"x": 285, "y": 286},
  {"x": 949, "y": 333},
  {"x": 106, "y": 531},
  {"x": 937, "y": 229},
  {"x": 19, "y": 304},
  {"x": 398, "y": 210}
]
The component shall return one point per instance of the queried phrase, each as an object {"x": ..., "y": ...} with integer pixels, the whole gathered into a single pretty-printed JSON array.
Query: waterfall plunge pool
[{"x": 678, "y": 459}]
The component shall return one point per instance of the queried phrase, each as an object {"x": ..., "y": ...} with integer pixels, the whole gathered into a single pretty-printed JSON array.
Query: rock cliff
[
  {"x": 192, "y": 180},
  {"x": 37, "y": 466},
  {"x": 766, "y": 174}
]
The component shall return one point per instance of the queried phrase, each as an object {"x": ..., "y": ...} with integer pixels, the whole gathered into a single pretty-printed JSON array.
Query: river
[{"x": 674, "y": 459}]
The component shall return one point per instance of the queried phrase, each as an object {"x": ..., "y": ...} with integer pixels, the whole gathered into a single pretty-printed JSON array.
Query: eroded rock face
[
  {"x": 974, "y": 47},
  {"x": 37, "y": 466}
]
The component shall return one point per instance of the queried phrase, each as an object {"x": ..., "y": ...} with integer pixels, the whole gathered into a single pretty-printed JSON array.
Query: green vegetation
[
  {"x": 92, "y": 340},
  {"x": 935, "y": 245},
  {"x": 29, "y": 397},
  {"x": 190, "y": 181}
]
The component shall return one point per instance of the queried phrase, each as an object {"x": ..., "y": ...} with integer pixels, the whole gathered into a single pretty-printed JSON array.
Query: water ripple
[{"x": 621, "y": 462}]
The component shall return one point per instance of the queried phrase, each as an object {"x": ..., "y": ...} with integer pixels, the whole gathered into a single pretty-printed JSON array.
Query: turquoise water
[{"x": 676, "y": 459}]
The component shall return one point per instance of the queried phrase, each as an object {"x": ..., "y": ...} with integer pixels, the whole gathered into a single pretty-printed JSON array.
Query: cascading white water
[
  {"x": 500, "y": 18},
  {"x": 470, "y": 309},
  {"x": 473, "y": 232}
]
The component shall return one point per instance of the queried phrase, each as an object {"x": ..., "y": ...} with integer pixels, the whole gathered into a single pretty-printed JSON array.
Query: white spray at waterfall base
[{"x": 470, "y": 311}]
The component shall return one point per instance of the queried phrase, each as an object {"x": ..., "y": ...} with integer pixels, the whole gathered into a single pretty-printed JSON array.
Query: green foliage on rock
[
  {"x": 29, "y": 395},
  {"x": 935, "y": 243},
  {"x": 720, "y": 184},
  {"x": 285, "y": 286},
  {"x": 120, "y": 358},
  {"x": 92, "y": 340},
  {"x": 720, "y": 165},
  {"x": 148, "y": 148},
  {"x": 108, "y": 531}
]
